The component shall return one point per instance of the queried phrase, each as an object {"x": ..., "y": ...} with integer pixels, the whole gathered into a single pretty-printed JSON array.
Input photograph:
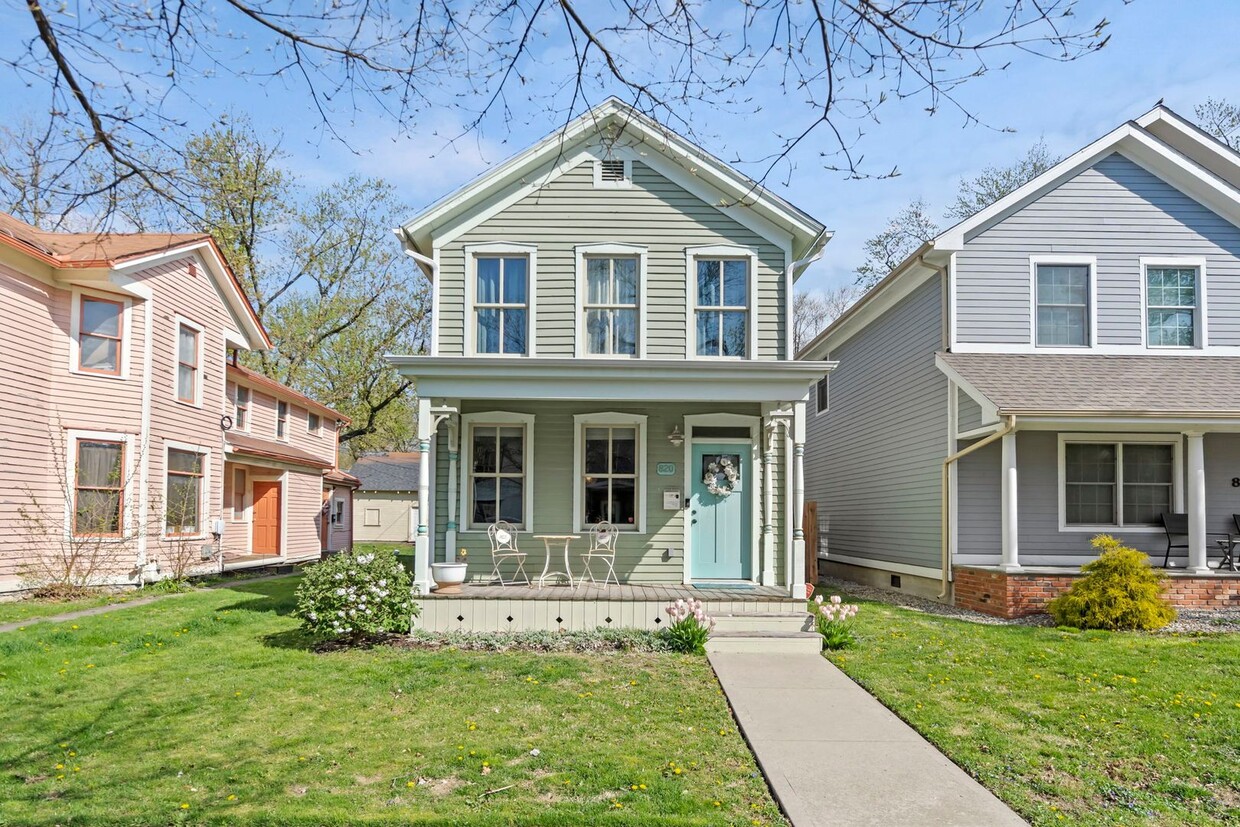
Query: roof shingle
[{"x": 395, "y": 471}]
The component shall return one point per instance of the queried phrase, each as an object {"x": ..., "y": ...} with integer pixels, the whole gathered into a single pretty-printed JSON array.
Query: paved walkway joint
[{"x": 834, "y": 755}]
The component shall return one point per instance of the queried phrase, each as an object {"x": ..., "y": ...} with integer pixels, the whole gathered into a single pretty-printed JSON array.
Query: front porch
[{"x": 490, "y": 608}]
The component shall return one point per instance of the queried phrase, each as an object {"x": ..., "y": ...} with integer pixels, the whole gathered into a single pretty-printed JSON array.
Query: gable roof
[
  {"x": 1160, "y": 141},
  {"x": 1090, "y": 384},
  {"x": 393, "y": 471},
  {"x": 69, "y": 252},
  {"x": 687, "y": 164}
]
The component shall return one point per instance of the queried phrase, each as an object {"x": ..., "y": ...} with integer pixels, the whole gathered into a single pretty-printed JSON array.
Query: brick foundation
[{"x": 1025, "y": 593}]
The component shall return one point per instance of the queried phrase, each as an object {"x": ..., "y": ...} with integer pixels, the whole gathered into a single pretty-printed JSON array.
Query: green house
[{"x": 612, "y": 341}]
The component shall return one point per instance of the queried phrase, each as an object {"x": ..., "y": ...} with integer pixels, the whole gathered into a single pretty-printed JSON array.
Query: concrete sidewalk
[{"x": 834, "y": 755}]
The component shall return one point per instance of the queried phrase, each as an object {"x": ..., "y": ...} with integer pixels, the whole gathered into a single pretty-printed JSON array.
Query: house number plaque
[{"x": 665, "y": 469}]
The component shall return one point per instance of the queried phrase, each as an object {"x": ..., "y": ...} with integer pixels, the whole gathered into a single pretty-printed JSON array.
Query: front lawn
[
  {"x": 211, "y": 709},
  {"x": 15, "y": 611},
  {"x": 1066, "y": 727}
]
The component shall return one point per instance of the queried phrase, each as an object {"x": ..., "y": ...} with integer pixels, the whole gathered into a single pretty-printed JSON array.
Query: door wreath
[{"x": 730, "y": 473}]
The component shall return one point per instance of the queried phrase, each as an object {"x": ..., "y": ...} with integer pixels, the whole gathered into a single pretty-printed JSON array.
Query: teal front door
[{"x": 720, "y": 528}]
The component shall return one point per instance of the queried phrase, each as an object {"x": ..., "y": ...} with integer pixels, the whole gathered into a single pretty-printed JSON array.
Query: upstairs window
[
  {"x": 1172, "y": 306},
  {"x": 241, "y": 408},
  {"x": 501, "y": 304},
  {"x": 611, "y": 306},
  {"x": 312, "y": 423},
  {"x": 1062, "y": 294},
  {"x": 282, "y": 419},
  {"x": 98, "y": 488},
  {"x": 822, "y": 394},
  {"x": 100, "y": 331},
  {"x": 183, "y": 511},
  {"x": 721, "y": 309},
  {"x": 187, "y": 364}
]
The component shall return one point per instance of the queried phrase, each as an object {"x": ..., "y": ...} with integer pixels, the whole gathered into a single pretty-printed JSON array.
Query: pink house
[{"x": 134, "y": 447}]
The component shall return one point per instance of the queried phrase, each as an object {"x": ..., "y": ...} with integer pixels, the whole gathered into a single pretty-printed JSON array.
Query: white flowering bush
[
  {"x": 689, "y": 627},
  {"x": 833, "y": 620},
  {"x": 353, "y": 595}
]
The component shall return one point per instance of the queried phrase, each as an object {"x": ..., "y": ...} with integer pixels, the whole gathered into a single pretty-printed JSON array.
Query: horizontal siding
[
  {"x": 653, "y": 213},
  {"x": 394, "y": 516},
  {"x": 640, "y": 557},
  {"x": 968, "y": 412},
  {"x": 1117, "y": 211},
  {"x": 873, "y": 459}
]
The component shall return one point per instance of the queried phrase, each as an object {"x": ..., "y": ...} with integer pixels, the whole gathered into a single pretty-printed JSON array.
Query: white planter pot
[{"x": 448, "y": 577}]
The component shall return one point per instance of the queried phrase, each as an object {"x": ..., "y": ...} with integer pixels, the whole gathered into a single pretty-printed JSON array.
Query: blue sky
[{"x": 1181, "y": 51}]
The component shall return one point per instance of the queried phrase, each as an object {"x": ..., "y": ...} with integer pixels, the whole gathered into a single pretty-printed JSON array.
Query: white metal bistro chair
[
  {"x": 503, "y": 548},
  {"x": 603, "y": 540}
]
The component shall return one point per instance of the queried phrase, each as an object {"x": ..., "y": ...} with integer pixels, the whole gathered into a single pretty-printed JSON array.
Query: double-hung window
[
  {"x": 1062, "y": 292},
  {"x": 501, "y": 304},
  {"x": 1172, "y": 306},
  {"x": 721, "y": 306},
  {"x": 609, "y": 476},
  {"x": 187, "y": 363},
  {"x": 239, "y": 487},
  {"x": 281, "y": 420},
  {"x": 241, "y": 407},
  {"x": 183, "y": 510},
  {"x": 100, "y": 333},
  {"x": 611, "y": 306},
  {"x": 1117, "y": 483},
  {"x": 312, "y": 423},
  {"x": 497, "y": 474},
  {"x": 98, "y": 488}
]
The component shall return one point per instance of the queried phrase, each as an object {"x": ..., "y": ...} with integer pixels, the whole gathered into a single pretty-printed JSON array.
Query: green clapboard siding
[
  {"x": 653, "y": 213},
  {"x": 640, "y": 557}
]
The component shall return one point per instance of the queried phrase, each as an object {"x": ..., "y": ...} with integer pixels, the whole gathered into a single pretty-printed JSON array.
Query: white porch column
[
  {"x": 1197, "y": 504},
  {"x": 797, "y": 557},
  {"x": 1010, "y": 552},
  {"x": 454, "y": 457},
  {"x": 770, "y": 431},
  {"x": 422, "y": 549}
]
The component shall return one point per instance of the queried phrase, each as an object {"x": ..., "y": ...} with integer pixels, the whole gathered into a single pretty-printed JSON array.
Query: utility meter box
[{"x": 671, "y": 499}]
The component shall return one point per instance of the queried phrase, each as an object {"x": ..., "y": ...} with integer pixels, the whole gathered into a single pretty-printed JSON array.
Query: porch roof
[
  {"x": 242, "y": 445},
  {"x": 481, "y": 377},
  {"x": 1138, "y": 386}
]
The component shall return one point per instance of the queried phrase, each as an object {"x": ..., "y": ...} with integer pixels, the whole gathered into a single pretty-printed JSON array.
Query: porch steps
[
  {"x": 764, "y": 642},
  {"x": 763, "y": 622}
]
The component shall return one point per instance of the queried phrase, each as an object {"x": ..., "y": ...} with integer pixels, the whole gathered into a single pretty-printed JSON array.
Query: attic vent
[{"x": 611, "y": 171}]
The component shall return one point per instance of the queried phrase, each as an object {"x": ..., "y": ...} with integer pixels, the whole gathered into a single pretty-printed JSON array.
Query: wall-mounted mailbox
[{"x": 671, "y": 499}]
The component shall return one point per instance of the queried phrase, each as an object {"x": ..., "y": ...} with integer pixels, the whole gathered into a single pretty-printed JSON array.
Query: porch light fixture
[{"x": 676, "y": 437}]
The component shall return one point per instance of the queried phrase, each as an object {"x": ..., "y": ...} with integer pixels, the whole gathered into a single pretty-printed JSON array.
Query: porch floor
[{"x": 657, "y": 592}]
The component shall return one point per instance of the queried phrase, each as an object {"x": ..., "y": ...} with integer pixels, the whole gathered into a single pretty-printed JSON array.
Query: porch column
[
  {"x": 1197, "y": 504},
  {"x": 768, "y": 501},
  {"x": 1010, "y": 553},
  {"x": 422, "y": 547},
  {"x": 797, "y": 558},
  {"x": 454, "y": 456}
]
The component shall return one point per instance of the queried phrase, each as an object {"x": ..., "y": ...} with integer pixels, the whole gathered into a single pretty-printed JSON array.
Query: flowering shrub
[
  {"x": 833, "y": 620},
  {"x": 351, "y": 595},
  {"x": 689, "y": 627}
]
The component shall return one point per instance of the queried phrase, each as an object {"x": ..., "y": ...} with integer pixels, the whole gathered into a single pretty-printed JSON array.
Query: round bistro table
[{"x": 548, "y": 541}]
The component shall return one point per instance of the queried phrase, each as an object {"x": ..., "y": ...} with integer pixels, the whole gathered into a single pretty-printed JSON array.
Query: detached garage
[{"x": 385, "y": 505}]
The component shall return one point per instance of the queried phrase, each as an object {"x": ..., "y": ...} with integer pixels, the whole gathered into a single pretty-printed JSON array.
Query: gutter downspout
[{"x": 1009, "y": 425}]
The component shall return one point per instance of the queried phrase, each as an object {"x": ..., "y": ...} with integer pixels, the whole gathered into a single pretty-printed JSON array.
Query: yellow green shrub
[{"x": 1119, "y": 590}]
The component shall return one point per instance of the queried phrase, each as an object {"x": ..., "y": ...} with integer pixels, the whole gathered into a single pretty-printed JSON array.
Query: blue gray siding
[
  {"x": 873, "y": 459},
  {"x": 968, "y": 413},
  {"x": 1040, "y": 540},
  {"x": 1117, "y": 211}
]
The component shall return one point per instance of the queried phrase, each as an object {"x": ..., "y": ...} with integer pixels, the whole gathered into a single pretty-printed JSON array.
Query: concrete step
[
  {"x": 763, "y": 622},
  {"x": 802, "y": 643},
  {"x": 742, "y": 606}
]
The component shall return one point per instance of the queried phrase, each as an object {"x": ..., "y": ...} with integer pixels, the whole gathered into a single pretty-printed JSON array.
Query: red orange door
[{"x": 266, "y": 512}]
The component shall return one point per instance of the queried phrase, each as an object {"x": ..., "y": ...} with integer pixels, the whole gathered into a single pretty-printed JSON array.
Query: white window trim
[
  {"x": 1177, "y": 476},
  {"x": 608, "y": 420},
  {"x": 692, "y": 254},
  {"x": 600, "y": 184},
  {"x": 204, "y": 495},
  {"x": 1068, "y": 260},
  {"x": 616, "y": 250},
  {"x": 249, "y": 407},
  {"x": 75, "y": 330},
  {"x": 244, "y": 516},
  {"x": 1199, "y": 322},
  {"x": 288, "y": 418},
  {"x": 486, "y": 420},
  {"x": 200, "y": 347},
  {"x": 72, "y": 437},
  {"x": 818, "y": 411},
  {"x": 501, "y": 248}
]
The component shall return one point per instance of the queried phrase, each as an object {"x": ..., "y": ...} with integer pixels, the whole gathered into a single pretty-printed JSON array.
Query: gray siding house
[
  {"x": 611, "y": 321},
  {"x": 1062, "y": 364}
]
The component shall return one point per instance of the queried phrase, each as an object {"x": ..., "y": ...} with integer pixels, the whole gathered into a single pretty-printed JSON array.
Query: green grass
[
  {"x": 13, "y": 611},
  {"x": 211, "y": 709},
  {"x": 1086, "y": 728}
]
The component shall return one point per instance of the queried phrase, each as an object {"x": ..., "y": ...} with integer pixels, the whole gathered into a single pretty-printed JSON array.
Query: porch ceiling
[{"x": 685, "y": 380}]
